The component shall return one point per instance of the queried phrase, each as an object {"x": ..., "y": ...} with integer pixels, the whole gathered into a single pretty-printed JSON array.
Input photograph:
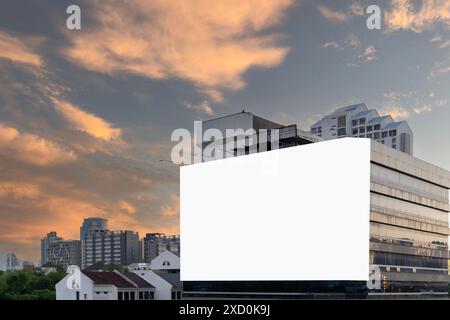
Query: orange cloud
[
  {"x": 86, "y": 122},
  {"x": 18, "y": 190},
  {"x": 335, "y": 16},
  {"x": 395, "y": 111},
  {"x": 127, "y": 207},
  {"x": 31, "y": 148},
  {"x": 15, "y": 49},
  {"x": 210, "y": 43},
  {"x": 204, "y": 107},
  {"x": 403, "y": 16}
]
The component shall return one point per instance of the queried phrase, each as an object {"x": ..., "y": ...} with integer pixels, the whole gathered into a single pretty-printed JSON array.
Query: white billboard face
[{"x": 299, "y": 213}]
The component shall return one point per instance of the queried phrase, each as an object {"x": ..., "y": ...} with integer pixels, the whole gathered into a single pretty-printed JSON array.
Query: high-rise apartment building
[
  {"x": 409, "y": 210},
  {"x": 156, "y": 243},
  {"x": 57, "y": 251},
  {"x": 106, "y": 246},
  {"x": 361, "y": 122}
]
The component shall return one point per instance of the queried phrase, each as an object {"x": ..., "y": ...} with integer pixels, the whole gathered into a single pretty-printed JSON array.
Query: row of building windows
[
  {"x": 413, "y": 210},
  {"x": 389, "y": 258},
  {"x": 417, "y": 238},
  {"x": 408, "y": 183},
  {"x": 142, "y": 295},
  {"x": 376, "y": 134}
]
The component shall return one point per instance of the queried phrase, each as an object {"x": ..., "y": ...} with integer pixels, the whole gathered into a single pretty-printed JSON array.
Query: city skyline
[{"x": 84, "y": 119}]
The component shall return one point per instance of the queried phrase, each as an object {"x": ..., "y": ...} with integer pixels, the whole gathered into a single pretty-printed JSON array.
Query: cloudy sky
[{"x": 86, "y": 115}]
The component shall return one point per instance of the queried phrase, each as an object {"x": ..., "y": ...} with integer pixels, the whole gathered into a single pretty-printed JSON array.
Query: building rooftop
[
  {"x": 140, "y": 282},
  {"x": 394, "y": 125},
  {"x": 350, "y": 108},
  {"x": 172, "y": 278},
  {"x": 380, "y": 119},
  {"x": 363, "y": 113},
  {"x": 117, "y": 279}
]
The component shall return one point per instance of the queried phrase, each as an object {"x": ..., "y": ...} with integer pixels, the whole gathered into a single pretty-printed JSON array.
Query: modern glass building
[
  {"x": 408, "y": 224},
  {"x": 409, "y": 230}
]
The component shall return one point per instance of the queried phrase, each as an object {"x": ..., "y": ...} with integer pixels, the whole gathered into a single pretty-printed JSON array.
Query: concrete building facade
[
  {"x": 9, "y": 262},
  {"x": 155, "y": 243},
  {"x": 59, "y": 252},
  {"x": 106, "y": 246},
  {"x": 409, "y": 210}
]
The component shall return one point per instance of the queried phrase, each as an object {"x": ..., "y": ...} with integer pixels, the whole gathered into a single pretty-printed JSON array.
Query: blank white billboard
[{"x": 299, "y": 213}]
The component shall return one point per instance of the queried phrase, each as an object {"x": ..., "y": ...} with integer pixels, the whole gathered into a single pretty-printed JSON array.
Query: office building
[
  {"x": 92, "y": 224},
  {"x": 106, "y": 246},
  {"x": 59, "y": 252},
  {"x": 409, "y": 230},
  {"x": 155, "y": 243},
  {"x": 359, "y": 121},
  {"x": 262, "y": 139},
  {"x": 9, "y": 262}
]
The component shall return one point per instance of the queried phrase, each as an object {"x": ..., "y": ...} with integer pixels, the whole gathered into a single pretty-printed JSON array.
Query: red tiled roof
[{"x": 108, "y": 278}]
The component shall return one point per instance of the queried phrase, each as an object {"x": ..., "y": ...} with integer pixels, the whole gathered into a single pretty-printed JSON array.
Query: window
[
  {"x": 376, "y": 135},
  {"x": 377, "y": 127},
  {"x": 120, "y": 296},
  {"x": 342, "y": 132},
  {"x": 369, "y": 136},
  {"x": 319, "y": 129},
  {"x": 127, "y": 296},
  {"x": 77, "y": 295},
  {"x": 152, "y": 295},
  {"x": 141, "y": 295},
  {"x": 85, "y": 296},
  {"x": 384, "y": 134},
  {"x": 354, "y": 123},
  {"x": 173, "y": 295},
  {"x": 382, "y": 141},
  {"x": 362, "y": 129},
  {"x": 394, "y": 140},
  {"x": 394, "y": 146},
  {"x": 369, "y": 128},
  {"x": 362, "y": 121},
  {"x": 178, "y": 295},
  {"x": 341, "y": 121},
  {"x": 146, "y": 295},
  {"x": 313, "y": 130},
  {"x": 132, "y": 296},
  {"x": 392, "y": 133},
  {"x": 355, "y": 131}
]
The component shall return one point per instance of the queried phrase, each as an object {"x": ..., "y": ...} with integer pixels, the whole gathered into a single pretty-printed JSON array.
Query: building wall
[
  {"x": 85, "y": 291},
  {"x": 104, "y": 292},
  {"x": 110, "y": 246},
  {"x": 409, "y": 223},
  {"x": 163, "y": 289},
  {"x": 61, "y": 252},
  {"x": 9, "y": 262},
  {"x": 155, "y": 243}
]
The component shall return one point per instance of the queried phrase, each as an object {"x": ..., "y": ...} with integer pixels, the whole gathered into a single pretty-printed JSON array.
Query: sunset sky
[{"x": 86, "y": 115}]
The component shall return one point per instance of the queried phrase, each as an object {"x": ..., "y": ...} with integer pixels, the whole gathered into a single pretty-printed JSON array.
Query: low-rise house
[
  {"x": 163, "y": 273},
  {"x": 104, "y": 285}
]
